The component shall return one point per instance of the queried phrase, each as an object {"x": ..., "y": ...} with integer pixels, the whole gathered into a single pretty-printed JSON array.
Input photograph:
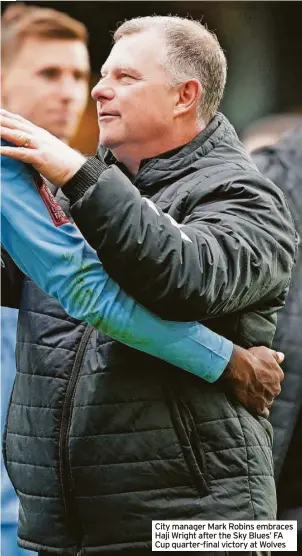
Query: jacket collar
[{"x": 175, "y": 164}]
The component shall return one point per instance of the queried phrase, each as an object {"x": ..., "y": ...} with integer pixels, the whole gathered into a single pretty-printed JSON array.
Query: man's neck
[{"x": 131, "y": 158}]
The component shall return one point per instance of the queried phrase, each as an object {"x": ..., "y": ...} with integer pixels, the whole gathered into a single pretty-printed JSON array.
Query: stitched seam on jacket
[
  {"x": 32, "y": 436},
  {"x": 232, "y": 448},
  {"x": 129, "y": 462},
  {"x": 247, "y": 476},
  {"x": 121, "y": 432},
  {"x": 188, "y": 485},
  {"x": 35, "y": 406},
  {"x": 38, "y": 495},
  {"x": 51, "y": 348},
  {"x": 32, "y": 464},
  {"x": 120, "y": 402},
  {"x": 41, "y": 376},
  {"x": 64, "y": 318},
  {"x": 248, "y": 467},
  {"x": 87, "y": 405}
]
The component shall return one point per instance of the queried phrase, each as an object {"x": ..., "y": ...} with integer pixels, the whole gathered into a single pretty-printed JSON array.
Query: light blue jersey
[{"x": 51, "y": 251}]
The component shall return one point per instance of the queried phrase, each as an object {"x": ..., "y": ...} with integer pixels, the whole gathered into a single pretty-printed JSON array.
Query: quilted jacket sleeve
[{"x": 229, "y": 253}]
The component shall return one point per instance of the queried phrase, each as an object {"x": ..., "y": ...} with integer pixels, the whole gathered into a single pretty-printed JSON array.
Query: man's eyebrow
[
  {"x": 126, "y": 69},
  {"x": 58, "y": 67},
  {"x": 49, "y": 66}
]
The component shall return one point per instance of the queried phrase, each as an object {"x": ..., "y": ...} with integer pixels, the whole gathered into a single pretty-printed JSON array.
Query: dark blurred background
[{"x": 262, "y": 41}]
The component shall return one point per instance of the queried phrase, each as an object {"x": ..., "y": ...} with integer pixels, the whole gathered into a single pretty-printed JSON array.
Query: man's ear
[{"x": 188, "y": 95}]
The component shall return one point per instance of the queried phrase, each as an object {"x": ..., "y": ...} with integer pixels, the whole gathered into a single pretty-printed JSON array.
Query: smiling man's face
[
  {"x": 47, "y": 83},
  {"x": 134, "y": 100}
]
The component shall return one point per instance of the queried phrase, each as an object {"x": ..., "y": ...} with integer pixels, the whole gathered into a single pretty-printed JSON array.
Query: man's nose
[{"x": 102, "y": 90}]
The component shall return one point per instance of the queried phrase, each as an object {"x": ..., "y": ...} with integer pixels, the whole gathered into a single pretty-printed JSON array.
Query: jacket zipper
[{"x": 65, "y": 471}]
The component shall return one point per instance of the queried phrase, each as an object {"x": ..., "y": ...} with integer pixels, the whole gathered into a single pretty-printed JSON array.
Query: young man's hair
[
  {"x": 21, "y": 21},
  {"x": 191, "y": 51}
]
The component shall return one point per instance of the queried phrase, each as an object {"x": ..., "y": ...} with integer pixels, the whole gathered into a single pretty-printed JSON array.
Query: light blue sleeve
[{"x": 62, "y": 263}]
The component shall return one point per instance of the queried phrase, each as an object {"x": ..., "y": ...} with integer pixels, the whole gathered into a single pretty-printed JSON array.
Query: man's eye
[
  {"x": 79, "y": 76},
  {"x": 49, "y": 73},
  {"x": 126, "y": 76}
]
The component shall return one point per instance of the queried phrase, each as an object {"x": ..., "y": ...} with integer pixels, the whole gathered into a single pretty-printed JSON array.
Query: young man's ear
[{"x": 188, "y": 95}]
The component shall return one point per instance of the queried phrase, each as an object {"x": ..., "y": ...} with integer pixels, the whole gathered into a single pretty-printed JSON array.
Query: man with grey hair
[{"x": 181, "y": 218}]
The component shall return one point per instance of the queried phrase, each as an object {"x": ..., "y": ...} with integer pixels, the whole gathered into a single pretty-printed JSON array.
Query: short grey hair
[{"x": 192, "y": 52}]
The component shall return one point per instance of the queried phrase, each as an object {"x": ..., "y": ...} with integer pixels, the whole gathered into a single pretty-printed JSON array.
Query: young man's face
[
  {"x": 47, "y": 83},
  {"x": 134, "y": 100}
]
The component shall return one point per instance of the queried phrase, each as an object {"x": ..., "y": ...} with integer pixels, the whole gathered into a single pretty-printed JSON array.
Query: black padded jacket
[{"x": 101, "y": 439}]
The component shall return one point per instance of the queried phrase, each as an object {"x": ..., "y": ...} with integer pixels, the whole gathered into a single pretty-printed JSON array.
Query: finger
[
  {"x": 19, "y": 138},
  {"x": 279, "y": 374},
  {"x": 277, "y": 355},
  {"x": 12, "y": 115},
  {"x": 15, "y": 124},
  {"x": 277, "y": 391},
  {"x": 19, "y": 153},
  {"x": 262, "y": 409},
  {"x": 280, "y": 357},
  {"x": 271, "y": 391}
]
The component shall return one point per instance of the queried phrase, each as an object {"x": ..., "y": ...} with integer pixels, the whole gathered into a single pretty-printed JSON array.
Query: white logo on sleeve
[{"x": 173, "y": 222}]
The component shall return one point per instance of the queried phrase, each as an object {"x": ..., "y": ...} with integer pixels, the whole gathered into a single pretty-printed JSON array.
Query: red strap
[{"x": 57, "y": 214}]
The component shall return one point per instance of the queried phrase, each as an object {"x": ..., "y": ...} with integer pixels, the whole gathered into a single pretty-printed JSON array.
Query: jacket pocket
[{"x": 187, "y": 434}]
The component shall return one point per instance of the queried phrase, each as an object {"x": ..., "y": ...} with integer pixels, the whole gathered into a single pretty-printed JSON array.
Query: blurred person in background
[
  {"x": 268, "y": 131},
  {"x": 45, "y": 71},
  {"x": 185, "y": 223},
  {"x": 280, "y": 159}
]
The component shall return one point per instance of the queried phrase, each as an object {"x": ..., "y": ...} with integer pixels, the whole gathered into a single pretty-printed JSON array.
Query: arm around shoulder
[{"x": 228, "y": 253}]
